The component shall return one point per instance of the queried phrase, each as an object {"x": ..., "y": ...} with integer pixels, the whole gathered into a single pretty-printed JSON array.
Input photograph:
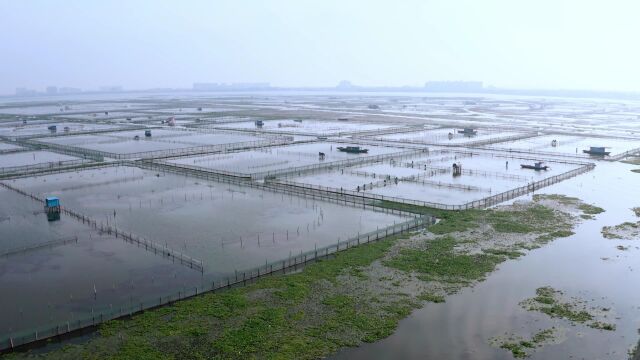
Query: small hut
[
  {"x": 457, "y": 169},
  {"x": 52, "y": 208},
  {"x": 597, "y": 150}
]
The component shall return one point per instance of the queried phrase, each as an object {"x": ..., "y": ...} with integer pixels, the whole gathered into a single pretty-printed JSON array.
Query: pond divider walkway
[
  {"x": 119, "y": 128},
  {"x": 191, "y": 150},
  {"x": 58, "y": 170},
  {"x": 110, "y": 229},
  {"x": 476, "y": 143},
  {"x": 32, "y": 169},
  {"x": 582, "y": 156}
]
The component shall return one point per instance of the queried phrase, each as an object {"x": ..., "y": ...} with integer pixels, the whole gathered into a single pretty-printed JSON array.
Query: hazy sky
[{"x": 578, "y": 44}]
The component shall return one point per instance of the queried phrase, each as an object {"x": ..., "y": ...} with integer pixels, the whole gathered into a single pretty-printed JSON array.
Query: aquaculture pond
[
  {"x": 226, "y": 226},
  {"x": 431, "y": 178},
  {"x": 280, "y": 157},
  {"x": 56, "y": 271},
  {"x": 136, "y": 141},
  {"x": 26, "y": 158},
  {"x": 8, "y": 147},
  {"x": 570, "y": 145},
  {"x": 450, "y": 136},
  {"x": 308, "y": 127}
]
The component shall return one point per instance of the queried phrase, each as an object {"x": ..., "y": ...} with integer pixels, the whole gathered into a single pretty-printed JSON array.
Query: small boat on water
[
  {"x": 597, "y": 150},
  {"x": 537, "y": 166},
  {"x": 353, "y": 149},
  {"x": 468, "y": 132}
]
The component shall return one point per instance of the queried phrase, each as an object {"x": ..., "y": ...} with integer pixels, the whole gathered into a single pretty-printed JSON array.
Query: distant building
[
  {"x": 232, "y": 86},
  {"x": 52, "y": 90},
  {"x": 454, "y": 86},
  {"x": 69, "y": 90}
]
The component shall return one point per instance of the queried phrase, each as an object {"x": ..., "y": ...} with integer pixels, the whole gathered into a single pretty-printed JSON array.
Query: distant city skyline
[{"x": 162, "y": 44}]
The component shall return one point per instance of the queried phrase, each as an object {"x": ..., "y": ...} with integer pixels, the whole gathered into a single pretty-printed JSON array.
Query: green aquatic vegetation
[
  {"x": 517, "y": 349},
  {"x": 431, "y": 298},
  {"x": 545, "y": 295},
  {"x": 549, "y": 301},
  {"x": 543, "y": 239},
  {"x": 532, "y": 219},
  {"x": 543, "y": 336},
  {"x": 449, "y": 221},
  {"x": 590, "y": 209},
  {"x": 626, "y": 230},
  {"x": 563, "y": 199},
  {"x": 529, "y": 219},
  {"x": 566, "y": 311},
  {"x": 587, "y": 209},
  {"x": 520, "y": 347},
  {"x": 511, "y": 254},
  {"x": 255, "y": 334},
  {"x": 602, "y": 326},
  {"x": 439, "y": 260}
]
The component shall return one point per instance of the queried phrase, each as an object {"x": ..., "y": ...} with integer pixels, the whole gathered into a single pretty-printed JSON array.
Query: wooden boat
[
  {"x": 353, "y": 149},
  {"x": 537, "y": 166},
  {"x": 468, "y": 132}
]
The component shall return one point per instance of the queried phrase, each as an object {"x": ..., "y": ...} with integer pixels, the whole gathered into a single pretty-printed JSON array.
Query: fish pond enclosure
[
  {"x": 469, "y": 136},
  {"x": 6, "y": 148},
  {"x": 154, "y": 199},
  {"x": 269, "y": 161},
  {"x": 53, "y": 128},
  {"x": 475, "y": 180},
  {"x": 342, "y": 127},
  {"x": 154, "y": 143},
  {"x": 34, "y": 161},
  {"x": 615, "y": 148}
]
